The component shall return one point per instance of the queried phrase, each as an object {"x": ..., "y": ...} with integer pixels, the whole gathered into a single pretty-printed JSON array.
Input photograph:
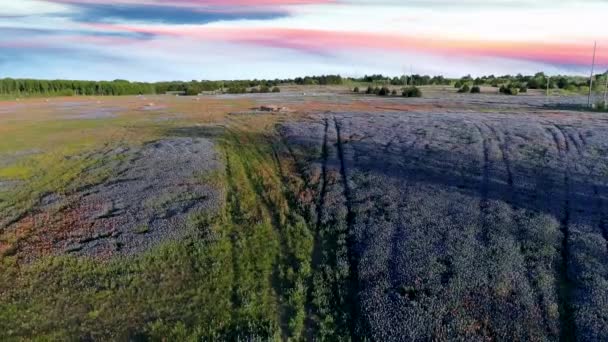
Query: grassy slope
[{"x": 242, "y": 273}]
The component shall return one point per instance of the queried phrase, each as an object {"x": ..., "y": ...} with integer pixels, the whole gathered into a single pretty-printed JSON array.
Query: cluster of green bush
[
  {"x": 417, "y": 80},
  {"x": 254, "y": 90},
  {"x": 465, "y": 88},
  {"x": 601, "y": 106},
  {"x": 509, "y": 89},
  {"x": 386, "y": 91},
  {"x": 512, "y": 89},
  {"x": 538, "y": 81},
  {"x": 411, "y": 92}
]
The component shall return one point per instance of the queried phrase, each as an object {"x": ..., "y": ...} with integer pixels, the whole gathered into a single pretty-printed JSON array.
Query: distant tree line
[
  {"x": 411, "y": 80},
  {"x": 320, "y": 80},
  {"x": 234, "y": 87},
  {"x": 32, "y": 87},
  {"x": 537, "y": 81}
]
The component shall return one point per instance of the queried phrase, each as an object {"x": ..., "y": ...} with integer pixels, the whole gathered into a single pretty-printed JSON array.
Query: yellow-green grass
[{"x": 241, "y": 272}]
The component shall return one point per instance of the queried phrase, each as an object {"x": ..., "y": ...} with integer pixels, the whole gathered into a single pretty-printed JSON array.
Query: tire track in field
[
  {"x": 582, "y": 139},
  {"x": 603, "y": 219},
  {"x": 485, "y": 184},
  {"x": 323, "y": 189},
  {"x": 566, "y": 311},
  {"x": 317, "y": 251},
  {"x": 572, "y": 139},
  {"x": 356, "y": 325},
  {"x": 398, "y": 230},
  {"x": 502, "y": 140},
  {"x": 504, "y": 152}
]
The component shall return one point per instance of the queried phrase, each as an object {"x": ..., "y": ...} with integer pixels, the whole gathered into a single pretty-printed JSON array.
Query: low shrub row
[
  {"x": 385, "y": 91},
  {"x": 261, "y": 89},
  {"x": 512, "y": 89}
]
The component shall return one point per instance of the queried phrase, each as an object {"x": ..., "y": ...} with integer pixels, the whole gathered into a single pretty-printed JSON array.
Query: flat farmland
[{"x": 341, "y": 217}]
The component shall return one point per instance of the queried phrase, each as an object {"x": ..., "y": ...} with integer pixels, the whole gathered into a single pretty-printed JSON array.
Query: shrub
[
  {"x": 509, "y": 90},
  {"x": 412, "y": 92},
  {"x": 475, "y": 90},
  {"x": 465, "y": 89},
  {"x": 394, "y": 92},
  {"x": 370, "y": 90},
  {"x": 458, "y": 84},
  {"x": 356, "y": 90},
  {"x": 523, "y": 89},
  {"x": 264, "y": 89},
  {"x": 376, "y": 90},
  {"x": 276, "y": 90},
  {"x": 384, "y": 91}
]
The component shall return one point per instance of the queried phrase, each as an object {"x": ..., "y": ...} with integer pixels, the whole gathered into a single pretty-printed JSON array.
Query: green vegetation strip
[{"x": 244, "y": 273}]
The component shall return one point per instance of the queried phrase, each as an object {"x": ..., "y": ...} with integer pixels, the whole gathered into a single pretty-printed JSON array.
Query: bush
[
  {"x": 523, "y": 89},
  {"x": 384, "y": 91},
  {"x": 412, "y": 92},
  {"x": 264, "y": 89},
  {"x": 394, "y": 92},
  {"x": 458, "y": 85},
  {"x": 509, "y": 90},
  {"x": 356, "y": 90},
  {"x": 370, "y": 90},
  {"x": 475, "y": 90},
  {"x": 465, "y": 89},
  {"x": 276, "y": 90},
  {"x": 376, "y": 90}
]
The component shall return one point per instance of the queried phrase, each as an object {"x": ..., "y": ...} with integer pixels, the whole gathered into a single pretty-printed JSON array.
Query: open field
[{"x": 344, "y": 217}]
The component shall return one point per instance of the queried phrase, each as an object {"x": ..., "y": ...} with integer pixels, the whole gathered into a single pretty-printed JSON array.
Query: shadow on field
[
  {"x": 531, "y": 186},
  {"x": 573, "y": 107}
]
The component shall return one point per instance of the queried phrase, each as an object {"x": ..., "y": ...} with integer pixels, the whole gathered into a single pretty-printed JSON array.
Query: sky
[{"x": 156, "y": 40}]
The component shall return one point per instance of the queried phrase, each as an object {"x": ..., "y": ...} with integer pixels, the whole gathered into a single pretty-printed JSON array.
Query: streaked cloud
[
  {"x": 193, "y": 38},
  {"x": 166, "y": 14}
]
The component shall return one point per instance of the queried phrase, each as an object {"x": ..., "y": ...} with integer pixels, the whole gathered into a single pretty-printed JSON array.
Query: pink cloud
[{"x": 327, "y": 42}]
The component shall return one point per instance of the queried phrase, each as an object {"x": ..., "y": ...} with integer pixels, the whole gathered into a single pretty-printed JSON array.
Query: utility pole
[
  {"x": 606, "y": 92},
  {"x": 591, "y": 77}
]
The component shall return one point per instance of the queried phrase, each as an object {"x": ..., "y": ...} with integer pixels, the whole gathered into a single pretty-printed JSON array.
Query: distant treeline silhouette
[{"x": 33, "y": 87}]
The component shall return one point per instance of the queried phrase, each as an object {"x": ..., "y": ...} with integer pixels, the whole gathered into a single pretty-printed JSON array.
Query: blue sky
[{"x": 153, "y": 40}]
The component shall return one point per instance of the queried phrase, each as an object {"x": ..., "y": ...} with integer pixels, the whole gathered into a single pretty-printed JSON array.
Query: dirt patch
[{"x": 150, "y": 199}]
